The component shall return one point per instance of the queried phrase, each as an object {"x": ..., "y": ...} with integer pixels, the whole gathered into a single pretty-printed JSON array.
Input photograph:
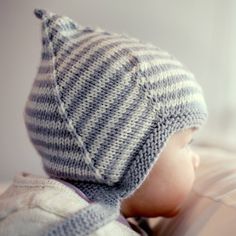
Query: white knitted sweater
[{"x": 33, "y": 203}]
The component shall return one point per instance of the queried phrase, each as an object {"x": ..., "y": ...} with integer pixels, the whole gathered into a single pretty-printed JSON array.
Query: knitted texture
[{"x": 102, "y": 108}]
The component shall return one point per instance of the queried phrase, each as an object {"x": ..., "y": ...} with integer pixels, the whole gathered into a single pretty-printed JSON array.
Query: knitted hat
[{"x": 102, "y": 108}]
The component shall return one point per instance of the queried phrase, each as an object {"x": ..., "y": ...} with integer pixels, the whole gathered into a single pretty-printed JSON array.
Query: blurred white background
[{"x": 201, "y": 34}]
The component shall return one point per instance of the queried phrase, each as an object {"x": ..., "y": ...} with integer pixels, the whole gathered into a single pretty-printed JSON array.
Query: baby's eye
[{"x": 189, "y": 143}]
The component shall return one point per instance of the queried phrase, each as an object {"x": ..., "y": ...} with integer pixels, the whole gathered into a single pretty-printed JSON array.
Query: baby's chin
[
  {"x": 172, "y": 213},
  {"x": 177, "y": 206},
  {"x": 168, "y": 213}
]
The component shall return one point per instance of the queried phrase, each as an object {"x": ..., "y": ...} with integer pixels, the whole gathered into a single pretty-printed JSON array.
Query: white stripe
[
  {"x": 67, "y": 155},
  {"x": 67, "y": 170},
  {"x": 45, "y": 63},
  {"x": 165, "y": 74},
  {"x": 40, "y": 106},
  {"x": 150, "y": 52},
  {"x": 154, "y": 62},
  {"x": 186, "y": 100},
  {"x": 64, "y": 24},
  {"x": 175, "y": 88},
  {"x": 62, "y": 32},
  {"x": 43, "y": 76},
  {"x": 50, "y": 140},
  {"x": 44, "y": 124},
  {"x": 70, "y": 44},
  {"x": 41, "y": 91}
]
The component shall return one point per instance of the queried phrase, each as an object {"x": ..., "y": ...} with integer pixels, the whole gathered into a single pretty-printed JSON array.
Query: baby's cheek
[
  {"x": 176, "y": 188},
  {"x": 185, "y": 180}
]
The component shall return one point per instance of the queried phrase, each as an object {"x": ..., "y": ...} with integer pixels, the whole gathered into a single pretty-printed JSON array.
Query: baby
[
  {"x": 168, "y": 183},
  {"x": 112, "y": 118}
]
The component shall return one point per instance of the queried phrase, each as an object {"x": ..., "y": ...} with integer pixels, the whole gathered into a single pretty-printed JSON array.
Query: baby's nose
[{"x": 196, "y": 160}]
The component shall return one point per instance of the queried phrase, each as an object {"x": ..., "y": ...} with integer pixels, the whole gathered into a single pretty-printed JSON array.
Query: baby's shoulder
[
  {"x": 29, "y": 191},
  {"x": 32, "y": 204}
]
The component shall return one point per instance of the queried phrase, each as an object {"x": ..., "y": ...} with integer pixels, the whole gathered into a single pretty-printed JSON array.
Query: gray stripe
[
  {"x": 61, "y": 43},
  {"x": 44, "y": 98},
  {"x": 172, "y": 96},
  {"x": 43, "y": 115},
  {"x": 82, "y": 171},
  {"x": 48, "y": 132},
  {"x": 71, "y": 155},
  {"x": 57, "y": 37},
  {"x": 50, "y": 169},
  {"x": 168, "y": 81},
  {"x": 38, "y": 122},
  {"x": 43, "y": 83}
]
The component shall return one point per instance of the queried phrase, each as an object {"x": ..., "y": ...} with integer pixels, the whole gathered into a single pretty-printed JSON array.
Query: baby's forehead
[
  {"x": 184, "y": 133},
  {"x": 188, "y": 130}
]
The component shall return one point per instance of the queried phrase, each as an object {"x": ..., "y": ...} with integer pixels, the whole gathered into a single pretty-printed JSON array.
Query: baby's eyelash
[
  {"x": 187, "y": 144},
  {"x": 191, "y": 141}
]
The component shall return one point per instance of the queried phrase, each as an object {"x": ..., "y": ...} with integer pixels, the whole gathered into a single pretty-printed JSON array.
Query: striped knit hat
[{"x": 101, "y": 109}]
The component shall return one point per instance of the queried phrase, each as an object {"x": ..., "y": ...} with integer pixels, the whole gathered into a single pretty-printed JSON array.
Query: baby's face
[{"x": 169, "y": 182}]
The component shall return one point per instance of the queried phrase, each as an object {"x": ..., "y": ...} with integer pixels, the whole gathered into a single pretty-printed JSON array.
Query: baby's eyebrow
[{"x": 194, "y": 128}]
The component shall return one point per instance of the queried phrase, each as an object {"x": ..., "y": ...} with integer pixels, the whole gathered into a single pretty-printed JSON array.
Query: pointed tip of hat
[{"x": 40, "y": 13}]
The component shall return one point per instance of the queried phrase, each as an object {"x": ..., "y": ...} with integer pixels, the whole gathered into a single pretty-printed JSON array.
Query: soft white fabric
[
  {"x": 33, "y": 203},
  {"x": 211, "y": 207}
]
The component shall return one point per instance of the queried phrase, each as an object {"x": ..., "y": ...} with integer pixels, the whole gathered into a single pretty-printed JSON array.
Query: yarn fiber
[{"x": 101, "y": 109}]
